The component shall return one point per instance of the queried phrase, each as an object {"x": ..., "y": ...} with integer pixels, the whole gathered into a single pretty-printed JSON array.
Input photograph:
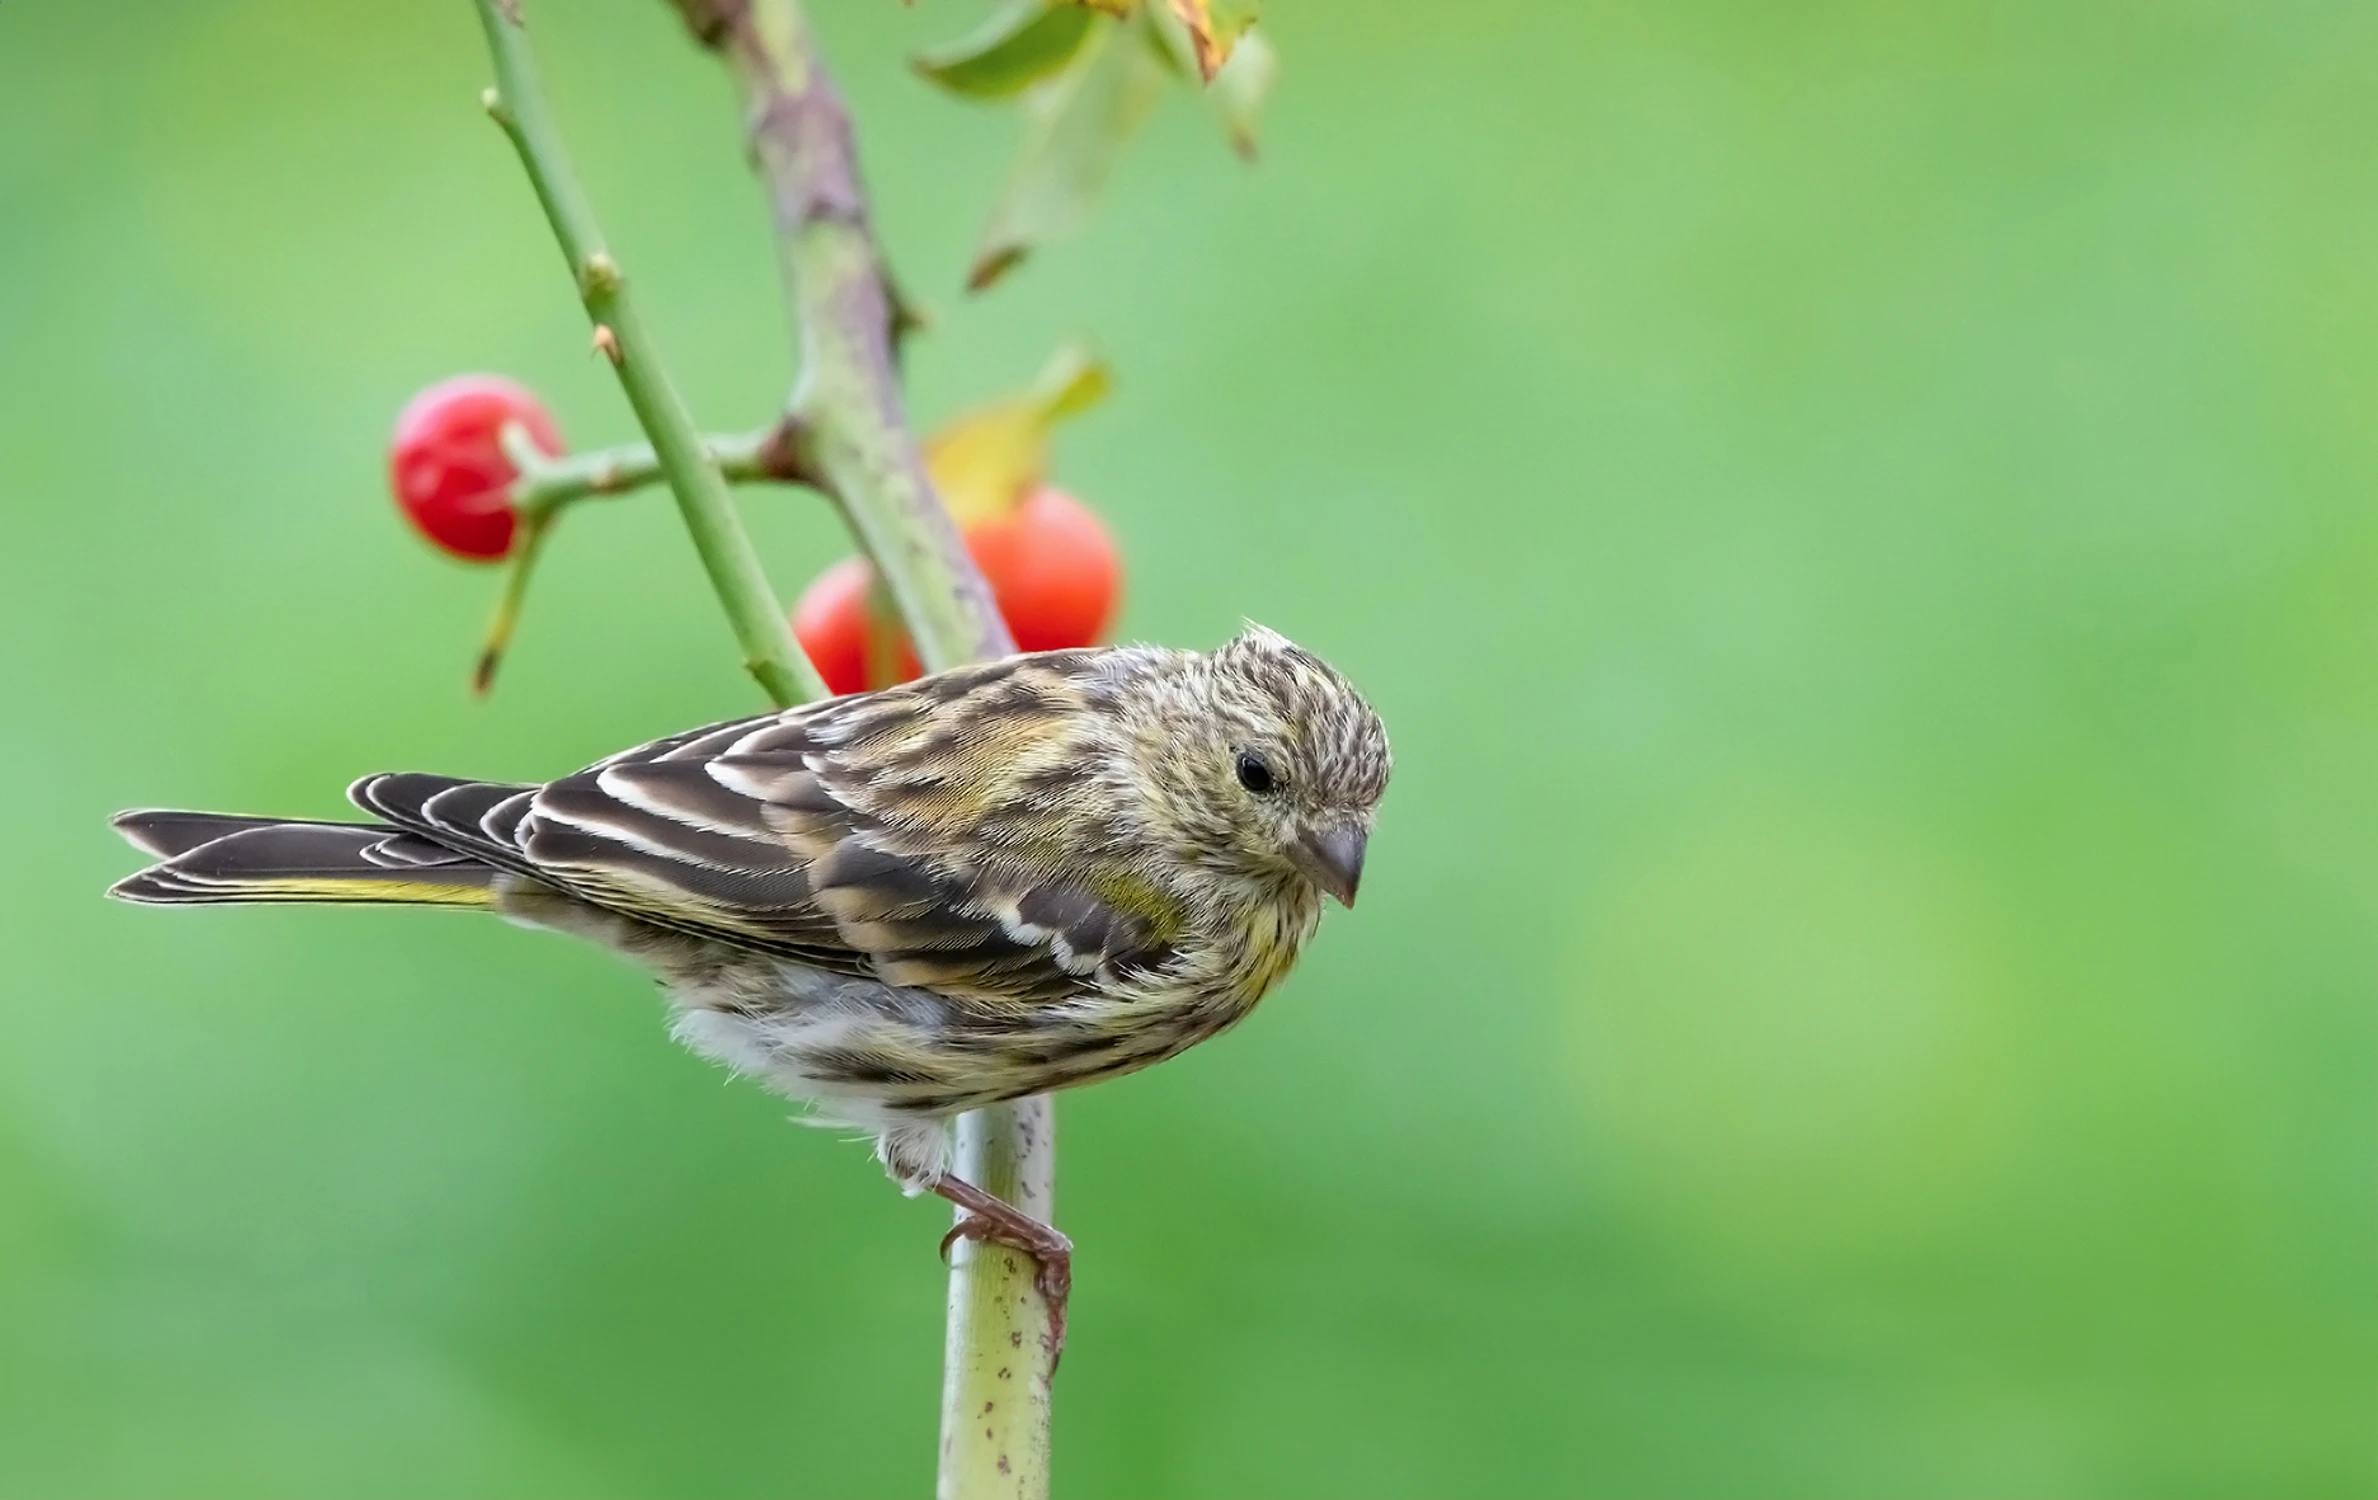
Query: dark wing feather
[{"x": 825, "y": 835}]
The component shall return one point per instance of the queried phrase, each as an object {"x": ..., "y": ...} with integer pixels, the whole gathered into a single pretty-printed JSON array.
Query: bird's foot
[{"x": 993, "y": 1221}]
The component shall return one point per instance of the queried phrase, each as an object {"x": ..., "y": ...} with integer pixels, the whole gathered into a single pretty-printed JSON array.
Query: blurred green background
[{"x": 1858, "y": 517}]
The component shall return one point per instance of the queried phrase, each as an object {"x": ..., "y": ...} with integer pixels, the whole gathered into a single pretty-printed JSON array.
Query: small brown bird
[{"x": 897, "y": 906}]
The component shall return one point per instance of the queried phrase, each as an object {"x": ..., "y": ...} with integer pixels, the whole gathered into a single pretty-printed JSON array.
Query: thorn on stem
[
  {"x": 992, "y": 265},
  {"x": 709, "y": 22},
  {"x": 510, "y": 10},
  {"x": 904, "y": 317},
  {"x": 491, "y": 99},
  {"x": 606, "y": 343}
]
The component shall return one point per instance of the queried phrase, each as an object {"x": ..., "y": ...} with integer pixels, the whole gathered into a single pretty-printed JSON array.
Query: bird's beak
[{"x": 1332, "y": 859}]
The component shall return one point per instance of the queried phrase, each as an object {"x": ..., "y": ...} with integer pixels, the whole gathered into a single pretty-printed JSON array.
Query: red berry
[
  {"x": 1052, "y": 568},
  {"x": 835, "y": 630},
  {"x": 447, "y": 464}
]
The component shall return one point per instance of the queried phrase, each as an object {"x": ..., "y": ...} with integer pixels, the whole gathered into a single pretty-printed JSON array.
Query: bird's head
[{"x": 1258, "y": 761}]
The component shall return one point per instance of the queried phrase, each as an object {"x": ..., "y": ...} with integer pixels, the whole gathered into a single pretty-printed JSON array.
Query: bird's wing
[{"x": 838, "y": 835}]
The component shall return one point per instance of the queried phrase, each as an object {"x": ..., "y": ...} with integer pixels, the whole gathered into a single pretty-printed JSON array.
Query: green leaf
[
  {"x": 1076, "y": 127},
  {"x": 1020, "y": 44}
]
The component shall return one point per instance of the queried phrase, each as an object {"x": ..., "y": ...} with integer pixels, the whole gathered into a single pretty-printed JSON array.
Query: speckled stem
[
  {"x": 995, "y": 1361},
  {"x": 847, "y": 403}
]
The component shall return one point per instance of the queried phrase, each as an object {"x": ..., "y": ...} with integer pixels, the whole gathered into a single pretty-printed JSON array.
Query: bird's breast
[{"x": 867, "y": 1051}]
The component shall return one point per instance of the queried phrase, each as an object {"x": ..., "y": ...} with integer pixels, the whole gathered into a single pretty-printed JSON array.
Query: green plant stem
[
  {"x": 518, "y": 104},
  {"x": 546, "y": 484},
  {"x": 995, "y": 1392}
]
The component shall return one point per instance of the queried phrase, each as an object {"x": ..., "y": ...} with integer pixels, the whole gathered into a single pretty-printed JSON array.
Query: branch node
[
  {"x": 601, "y": 277},
  {"x": 789, "y": 453},
  {"x": 528, "y": 460}
]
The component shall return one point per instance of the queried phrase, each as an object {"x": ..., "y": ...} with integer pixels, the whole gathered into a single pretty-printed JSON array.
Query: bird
[{"x": 896, "y": 906}]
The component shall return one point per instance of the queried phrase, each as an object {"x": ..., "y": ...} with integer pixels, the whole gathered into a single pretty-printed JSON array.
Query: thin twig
[
  {"x": 546, "y": 483},
  {"x": 528, "y": 544},
  {"x": 995, "y": 1392},
  {"x": 518, "y": 104}
]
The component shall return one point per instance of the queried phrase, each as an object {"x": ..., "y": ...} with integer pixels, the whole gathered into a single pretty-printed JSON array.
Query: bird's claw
[
  {"x": 1051, "y": 1252},
  {"x": 989, "y": 1221}
]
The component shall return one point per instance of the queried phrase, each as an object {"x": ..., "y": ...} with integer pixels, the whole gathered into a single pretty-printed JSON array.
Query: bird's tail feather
[{"x": 219, "y": 857}]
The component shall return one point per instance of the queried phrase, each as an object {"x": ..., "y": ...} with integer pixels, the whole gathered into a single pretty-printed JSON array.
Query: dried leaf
[
  {"x": 1215, "y": 27},
  {"x": 1077, "y": 124},
  {"x": 1017, "y": 46},
  {"x": 1238, "y": 92}
]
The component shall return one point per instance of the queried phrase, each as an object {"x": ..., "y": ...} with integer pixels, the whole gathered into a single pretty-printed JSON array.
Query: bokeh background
[{"x": 1859, "y": 517}]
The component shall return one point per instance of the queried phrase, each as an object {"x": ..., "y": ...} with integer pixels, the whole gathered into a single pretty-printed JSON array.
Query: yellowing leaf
[
  {"x": 986, "y": 461},
  {"x": 1073, "y": 381}
]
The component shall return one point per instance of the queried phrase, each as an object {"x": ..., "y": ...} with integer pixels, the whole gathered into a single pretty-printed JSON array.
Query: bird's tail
[{"x": 219, "y": 857}]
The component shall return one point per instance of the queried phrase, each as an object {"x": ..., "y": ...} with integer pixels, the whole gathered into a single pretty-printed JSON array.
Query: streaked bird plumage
[{"x": 900, "y": 905}]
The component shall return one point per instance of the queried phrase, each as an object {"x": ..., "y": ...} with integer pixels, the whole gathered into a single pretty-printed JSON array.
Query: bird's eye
[{"x": 1255, "y": 774}]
